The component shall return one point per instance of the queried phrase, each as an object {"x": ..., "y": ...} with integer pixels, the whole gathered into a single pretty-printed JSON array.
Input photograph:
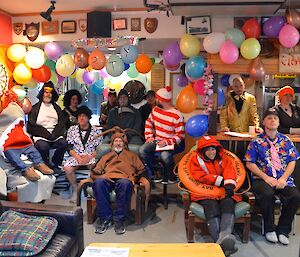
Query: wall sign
[{"x": 289, "y": 59}]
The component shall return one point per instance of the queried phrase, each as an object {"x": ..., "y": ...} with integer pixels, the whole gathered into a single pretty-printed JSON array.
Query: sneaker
[
  {"x": 173, "y": 180},
  {"x": 271, "y": 237},
  {"x": 283, "y": 239},
  {"x": 58, "y": 170},
  {"x": 227, "y": 244},
  {"x": 42, "y": 167},
  {"x": 102, "y": 226},
  {"x": 119, "y": 228},
  {"x": 31, "y": 175},
  {"x": 157, "y": 179}
]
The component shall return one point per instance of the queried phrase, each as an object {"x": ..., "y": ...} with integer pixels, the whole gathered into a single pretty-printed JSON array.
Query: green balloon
[
  {"x": 236, "y": 36},
  {"x": 132, "y": 71},
  {"x": 51, "y": 64}
]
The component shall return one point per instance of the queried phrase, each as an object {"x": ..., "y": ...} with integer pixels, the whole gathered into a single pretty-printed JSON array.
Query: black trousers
[
  {"x": 290, "y": 199},
  {"x": 215, "y": 208}
]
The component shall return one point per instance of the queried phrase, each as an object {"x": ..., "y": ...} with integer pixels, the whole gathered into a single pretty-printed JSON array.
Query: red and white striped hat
[{"x": 164, "y": 94}]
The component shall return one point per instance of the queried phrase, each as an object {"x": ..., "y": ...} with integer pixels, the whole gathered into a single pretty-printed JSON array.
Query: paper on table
[
  {"x": 236, "y": 134},
  {"x": 92, "y": 251},
  {"x": 164, "y": 148}
]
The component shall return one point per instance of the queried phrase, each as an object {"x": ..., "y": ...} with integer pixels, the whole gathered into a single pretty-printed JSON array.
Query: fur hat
[
  {"x": 49, "y": 85},
  {"x": 164, "y": 94},
  {"x": 119, "y": 135}
]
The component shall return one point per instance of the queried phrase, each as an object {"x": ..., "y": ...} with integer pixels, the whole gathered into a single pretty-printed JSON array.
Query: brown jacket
[{"x": 124, "y": 165}]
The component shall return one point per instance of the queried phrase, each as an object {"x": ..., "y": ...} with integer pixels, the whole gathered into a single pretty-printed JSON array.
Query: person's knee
[
  {"x": 125, "y": 183},
  {"x": 42, "y": 145},
  {"x": 63, "y": 144},
  {"x": 266, "y": 195},
  {"x": 100, "y": 182},
  {"x": 166, "y": 157}
]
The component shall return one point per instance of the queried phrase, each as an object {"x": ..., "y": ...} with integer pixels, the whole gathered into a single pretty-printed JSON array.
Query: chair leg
[
  {"x": 140, "y": 207},
  {"x": 90, "y": 210},
  {"x": 190, "y": 228},
  {"x": 246, "y": 228}
]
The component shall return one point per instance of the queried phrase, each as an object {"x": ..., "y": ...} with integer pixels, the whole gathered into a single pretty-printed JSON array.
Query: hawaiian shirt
[{"x": 258, "y": 152}]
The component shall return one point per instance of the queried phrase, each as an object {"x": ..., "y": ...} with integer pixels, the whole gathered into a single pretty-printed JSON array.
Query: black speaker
[{"x": 98, "y": 24}]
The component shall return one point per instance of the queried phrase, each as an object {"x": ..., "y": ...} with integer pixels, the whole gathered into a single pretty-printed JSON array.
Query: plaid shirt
[{"x": 258, "y": 152}]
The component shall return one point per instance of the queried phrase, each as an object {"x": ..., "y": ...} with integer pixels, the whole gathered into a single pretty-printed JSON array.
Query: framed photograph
[
  {"x": 82, "y": 24},
  {"x": 119, "y": 23},
  {"x": 49, "y": 28},
  {"x": 238, "y": 22},
  {"x": 135, "y": 24},
  {"x": 198, "y": 25},
  {"x": 68, "y": 26}
]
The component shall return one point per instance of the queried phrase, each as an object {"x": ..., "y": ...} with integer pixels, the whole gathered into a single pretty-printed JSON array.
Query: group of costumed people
[{"x": 118, "y": 169}]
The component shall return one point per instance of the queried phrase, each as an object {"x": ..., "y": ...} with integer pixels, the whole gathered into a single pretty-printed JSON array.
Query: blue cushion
[
  {"x": 240, "y": 209},
  {"x": 24, "y": 235}
]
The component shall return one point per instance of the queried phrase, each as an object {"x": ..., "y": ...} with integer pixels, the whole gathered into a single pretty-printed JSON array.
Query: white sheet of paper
[
  {"x": 164, "y": 148},
  {"x": 236, "y": 134},
  {"x": 92, "y": 251}
]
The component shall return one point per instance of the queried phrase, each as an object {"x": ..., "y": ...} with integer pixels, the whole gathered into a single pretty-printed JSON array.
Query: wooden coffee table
[{"x": 168, "y": 250}]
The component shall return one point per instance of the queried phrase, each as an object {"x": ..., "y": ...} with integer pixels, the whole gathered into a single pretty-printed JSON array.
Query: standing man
[
  {"x": 116, "y": 170},
  {"x": 107, "y": 106},
  {"x": 271, "y": 157},
  {"x": 46, "y": 124},
  {"x": 164, "y": 129}
]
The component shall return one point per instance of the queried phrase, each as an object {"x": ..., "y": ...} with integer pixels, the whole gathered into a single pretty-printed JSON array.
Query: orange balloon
[
  {"x": 143, "y": 64},
  {"x": 42, "y": 74},
  {"x": 187, "y": 99},
  {"x": 97, "y": 59}
]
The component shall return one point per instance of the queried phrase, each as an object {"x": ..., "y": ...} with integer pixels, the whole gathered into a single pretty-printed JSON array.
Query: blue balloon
[
  {"x": 197, "y": 125},
  {"x": 126, "y": 66},
  {"x": 221, "y": 97},
  {"x": 225, "y": 80},
  {"x": 194, "y": 67},
  {"x": 129, "y": 53},
  {"x": 98, "y": 87}
]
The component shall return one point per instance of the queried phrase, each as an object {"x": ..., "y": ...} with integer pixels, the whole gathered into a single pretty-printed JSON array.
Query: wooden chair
[
  {"x": 139, "y": 199},
  {"x": 194, "y": 216}
]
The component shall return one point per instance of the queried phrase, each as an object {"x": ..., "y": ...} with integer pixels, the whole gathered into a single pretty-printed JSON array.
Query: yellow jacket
[{"x": 239, "y": 122}]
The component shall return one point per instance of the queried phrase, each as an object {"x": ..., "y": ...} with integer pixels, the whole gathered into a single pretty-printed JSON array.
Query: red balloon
[
  {"x": 42, "y": 74},
  {"x": 251, "y": 28}
]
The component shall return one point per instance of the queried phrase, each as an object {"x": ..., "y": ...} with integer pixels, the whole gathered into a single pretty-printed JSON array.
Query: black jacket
[{"x": 40, "y": 131}]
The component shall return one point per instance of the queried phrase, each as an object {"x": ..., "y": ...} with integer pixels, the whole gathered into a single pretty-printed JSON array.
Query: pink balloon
[
  {"x": 199, "y": 87},
  {"x": 229, "y": 52},
  {"x": 288, "y": 36},
  {"x": 60, "y": 78},
  {"x": 103, "y": 73},
  {"x": 105, "y": 93}
]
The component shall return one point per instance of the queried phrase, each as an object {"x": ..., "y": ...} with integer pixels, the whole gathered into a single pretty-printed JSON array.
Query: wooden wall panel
[{"x": 157, "y": 76}]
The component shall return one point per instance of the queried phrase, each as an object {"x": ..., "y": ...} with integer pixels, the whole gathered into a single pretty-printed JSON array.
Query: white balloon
[
  {"x": 212, "y": 43},
  {"x": 35, "y": 58}
]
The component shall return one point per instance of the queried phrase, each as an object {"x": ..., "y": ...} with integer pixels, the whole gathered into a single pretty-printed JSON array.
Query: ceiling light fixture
[{"x": 47, "y": 15}]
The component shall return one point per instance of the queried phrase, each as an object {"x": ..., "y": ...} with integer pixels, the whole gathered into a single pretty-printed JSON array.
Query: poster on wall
[{"x": 289, "y": 59}]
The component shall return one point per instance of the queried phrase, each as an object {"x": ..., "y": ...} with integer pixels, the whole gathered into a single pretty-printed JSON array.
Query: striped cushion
[{"x": 24, "y": 235}]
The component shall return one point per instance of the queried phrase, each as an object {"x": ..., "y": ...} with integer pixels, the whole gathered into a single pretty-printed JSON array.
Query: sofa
[{"x": 68, "y": 239}]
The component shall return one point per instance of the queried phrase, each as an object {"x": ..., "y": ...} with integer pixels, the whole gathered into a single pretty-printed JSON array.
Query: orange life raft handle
[{"x": 201, "y": 189}]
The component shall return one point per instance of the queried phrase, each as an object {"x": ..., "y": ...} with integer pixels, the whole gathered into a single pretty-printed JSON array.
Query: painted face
[
  {"x": 118, "y": 145},
  {"x": 47, "y": 97},
  {"x": 238, "y": 86},
  {"x": 210, "y": 153},
  {"x": 271, "y": 122}
]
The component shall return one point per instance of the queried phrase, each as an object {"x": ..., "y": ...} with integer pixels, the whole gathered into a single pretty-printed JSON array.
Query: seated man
[
  {"x": 116, "y": 170},
  {"x": 83, "y": 140},
  {"x": 107, "y": 106},
  {"x": 271, "y": 157},
  {"x": 126, "y": 117},
  {"x": 164, "y": 127},
  {"x": 46, "y": 123},
  {"x": 14, "y": 141},
  {"x": 210, "y": 166}
]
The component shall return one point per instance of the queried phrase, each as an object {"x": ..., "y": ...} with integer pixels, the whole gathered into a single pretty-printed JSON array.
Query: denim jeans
[
  {"x": 13, "y": 155},
  {"x": 148, "y": 154},
  {"x": 102, "y": 188}
]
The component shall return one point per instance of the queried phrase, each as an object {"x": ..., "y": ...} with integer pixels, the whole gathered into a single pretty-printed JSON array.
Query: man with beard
[
  {"x": 46, "y": 124},
  {"x": 117, "y": 170}
]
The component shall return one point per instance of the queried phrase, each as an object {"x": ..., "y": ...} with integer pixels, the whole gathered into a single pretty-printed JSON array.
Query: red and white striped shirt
[{"x": 165, "y": 124}]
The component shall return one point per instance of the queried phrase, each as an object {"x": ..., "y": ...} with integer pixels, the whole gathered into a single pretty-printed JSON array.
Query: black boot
[
  {"x": 213, "y": 226},
  {"x": 226, "y": 239}
]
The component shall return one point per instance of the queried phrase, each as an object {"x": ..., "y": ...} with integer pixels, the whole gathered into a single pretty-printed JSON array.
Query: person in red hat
[
  {"x": 164, "y": 128},
  {"x": 210, "y": 166}
]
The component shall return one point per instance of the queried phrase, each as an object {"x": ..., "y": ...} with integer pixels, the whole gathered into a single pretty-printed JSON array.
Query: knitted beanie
[{"x": 164, "y": 94}]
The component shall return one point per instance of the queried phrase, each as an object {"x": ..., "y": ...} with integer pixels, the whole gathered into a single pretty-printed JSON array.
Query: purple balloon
[
  {"x": 182, "y": 81},
  {"x": 273, "y": 25},
  {"x": 88, "y": 77},
  {"x": 172, "y": 54},
  {"x": 53, "y": 50}
]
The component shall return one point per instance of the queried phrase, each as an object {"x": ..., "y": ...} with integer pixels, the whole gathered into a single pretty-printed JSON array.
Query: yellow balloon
[
  {"x": 250, "y": 48},
  {"x": 65, "y": 65},
  {"x": 19, "y": 91},
  {"x": 16, "y": 52},
  {"x": 79, "y": 74},
  {"x": 60, "y": 101},
  {"x": 32, "y": 84},
  {"x": 189, "y": 45},
  {"x": 117, "y": 86},
  {"x": 73, "y": 76},
  {"x": 22, "y": 73}
]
